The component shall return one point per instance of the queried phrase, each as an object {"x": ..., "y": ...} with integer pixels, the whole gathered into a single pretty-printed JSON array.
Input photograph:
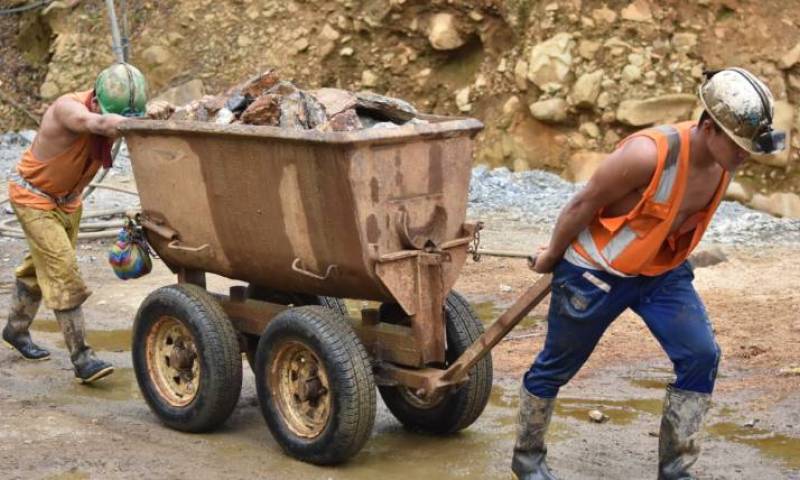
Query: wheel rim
[
  {"x": 300, "y": 388},
  {"x": 423, "y": 403},
  {"x": 173, "y": 362}
]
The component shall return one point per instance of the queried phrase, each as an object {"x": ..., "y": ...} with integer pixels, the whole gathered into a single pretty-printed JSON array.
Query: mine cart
[{"x": 304, "y": 219}]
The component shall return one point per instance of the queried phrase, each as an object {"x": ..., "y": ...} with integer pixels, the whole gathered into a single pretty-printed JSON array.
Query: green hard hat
[{"x": 121, "y": 89}]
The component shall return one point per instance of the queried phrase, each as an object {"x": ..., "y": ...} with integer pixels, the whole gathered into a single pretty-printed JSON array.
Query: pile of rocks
[{"x": 265, "y": 99}]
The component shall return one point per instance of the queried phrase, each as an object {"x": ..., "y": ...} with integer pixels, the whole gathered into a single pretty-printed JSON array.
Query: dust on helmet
[
  {"x": 743, "y": 107},
  {"x": 121, "y": 89}
]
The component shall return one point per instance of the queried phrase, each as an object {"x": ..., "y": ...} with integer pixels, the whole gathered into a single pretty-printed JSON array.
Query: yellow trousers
[{"x": 51, "y": 265}]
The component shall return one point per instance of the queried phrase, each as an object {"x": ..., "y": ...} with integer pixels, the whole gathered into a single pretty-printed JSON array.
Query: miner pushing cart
[{"x": 307, "y": 218}]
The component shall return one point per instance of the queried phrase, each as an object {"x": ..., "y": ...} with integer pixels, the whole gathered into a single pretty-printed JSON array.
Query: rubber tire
[
  {"x": 218, "y": 350},
  {"x": 250, "y": 341},
  {"x": 349, "y": 371},
  {"x": 461, "y": 407}
]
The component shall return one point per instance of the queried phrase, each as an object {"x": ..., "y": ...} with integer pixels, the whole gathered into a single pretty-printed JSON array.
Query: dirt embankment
[{"x": 554, "y": 82}]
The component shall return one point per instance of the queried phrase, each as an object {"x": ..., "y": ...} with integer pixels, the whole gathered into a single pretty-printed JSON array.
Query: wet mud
[
  {"x": 480, "y": 452},
  {"x": 69, "y": 431},
  {"x": 100, "y": 340}
]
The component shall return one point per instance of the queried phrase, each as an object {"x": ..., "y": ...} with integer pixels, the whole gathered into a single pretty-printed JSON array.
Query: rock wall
[{"x": 556, "y": 83}]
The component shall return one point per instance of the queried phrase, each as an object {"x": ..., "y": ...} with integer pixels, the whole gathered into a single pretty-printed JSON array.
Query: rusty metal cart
[{"x": 306, "y": 218}]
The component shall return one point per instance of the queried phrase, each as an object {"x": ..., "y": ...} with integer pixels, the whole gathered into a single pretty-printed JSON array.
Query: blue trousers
[{"x": 583, "y": 304}]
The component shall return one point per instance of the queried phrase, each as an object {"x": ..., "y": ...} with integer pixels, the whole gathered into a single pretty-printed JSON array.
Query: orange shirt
[{"x": 69, "y": 171}]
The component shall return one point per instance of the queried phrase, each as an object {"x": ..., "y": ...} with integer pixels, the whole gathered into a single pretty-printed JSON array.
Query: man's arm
[
  {"x": 75, "y": 117},
  {"x": 623, "y": 172}
]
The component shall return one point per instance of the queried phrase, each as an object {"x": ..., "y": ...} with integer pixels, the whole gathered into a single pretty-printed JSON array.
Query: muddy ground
[{"x": 52, "y": 428}]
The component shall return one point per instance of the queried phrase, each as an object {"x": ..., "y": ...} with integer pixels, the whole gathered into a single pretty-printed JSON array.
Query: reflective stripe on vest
[
  {"x": 667, "y": 181},
  {"x": 625, "y": 236}
]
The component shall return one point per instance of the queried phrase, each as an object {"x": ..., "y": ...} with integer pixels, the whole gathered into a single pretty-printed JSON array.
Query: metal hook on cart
[{"x": 297, "y": 267}]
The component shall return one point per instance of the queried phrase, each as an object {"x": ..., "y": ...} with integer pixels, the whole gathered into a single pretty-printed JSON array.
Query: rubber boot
[
  {"x": 528, "y": 462},
  {"x": 16, "y": 334},
  {"x": 679, "y": 442},
  {"x": 88, "y": 368}
]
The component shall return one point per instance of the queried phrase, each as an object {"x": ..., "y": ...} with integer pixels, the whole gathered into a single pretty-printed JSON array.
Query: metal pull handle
[
  {"x": 176, "y": 245},
  {"x": 299, "y": 269}
]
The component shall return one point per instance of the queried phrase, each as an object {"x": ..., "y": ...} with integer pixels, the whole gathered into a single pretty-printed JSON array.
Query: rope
[{"x": 25, "y": 8}]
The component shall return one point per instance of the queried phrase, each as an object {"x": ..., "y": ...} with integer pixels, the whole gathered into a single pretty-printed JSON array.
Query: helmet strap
[{"x": 131, "y": 87}]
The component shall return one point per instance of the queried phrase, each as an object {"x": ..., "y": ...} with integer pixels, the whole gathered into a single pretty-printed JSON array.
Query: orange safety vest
[
  {"x": 56, "y": 182},
  {"x": 640, "y": 242}
]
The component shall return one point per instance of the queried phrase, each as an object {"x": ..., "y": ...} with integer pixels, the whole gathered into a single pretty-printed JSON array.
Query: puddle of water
[
  {"x": 620, "y": 412},
  {"x": 118, "y": 387},
  {"x": 100, "y": 340},
  {"x": 504, "y": 397},
  {"x": 653, "y": 378},
  {"x": 391, "y": 450},
  {"x": 656, "y": 378},
  {"x": 489, "y": 442},
  {"x": 506, "y": 401},
  {"x": 482, "y": 451},
  {"x": 779, "y": 447},
  {"x": 726, "y": 411},
  {"x": 488, "y": 312},
  {"x": 651, "y": 383}
]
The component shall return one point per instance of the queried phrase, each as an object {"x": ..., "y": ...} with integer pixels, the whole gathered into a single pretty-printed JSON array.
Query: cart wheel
[
  {"x": 186, "y": 357},
  {"x": 454, "y": 410},
  {"x": 250, "y": 342},
  {"x": 315, "y": 385}
]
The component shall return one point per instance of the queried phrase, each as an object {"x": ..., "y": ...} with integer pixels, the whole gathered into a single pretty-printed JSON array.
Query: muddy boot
[
  {"x": 24, "y": 305},
  {"x": 88, "y": 368},
  {"x": 678, "y": 442},
  {"x": 528, "y": 462}
]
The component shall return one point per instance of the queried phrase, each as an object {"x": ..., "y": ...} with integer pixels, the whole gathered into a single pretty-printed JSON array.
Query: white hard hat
[{"x": 742, "y": 106}]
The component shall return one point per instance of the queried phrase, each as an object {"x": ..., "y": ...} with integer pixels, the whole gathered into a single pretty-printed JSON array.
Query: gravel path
[{"x": 536, "y": 197}]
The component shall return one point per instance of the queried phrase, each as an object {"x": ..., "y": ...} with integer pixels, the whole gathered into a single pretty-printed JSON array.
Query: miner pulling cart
[{"x": 306, "y": 218}]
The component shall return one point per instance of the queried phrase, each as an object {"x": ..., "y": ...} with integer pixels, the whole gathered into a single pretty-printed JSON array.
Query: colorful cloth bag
[{"x": 130, "y": 255}]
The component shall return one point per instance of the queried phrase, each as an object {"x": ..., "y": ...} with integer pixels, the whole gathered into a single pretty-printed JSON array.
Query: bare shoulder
[
  {"x": 641, "y": 147},
  {"x": 628, "y": 168},
  {"x": 67, "y": 104},
  {"x": 70, "y": 114},
  {"x": 636, "y": 160}
]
